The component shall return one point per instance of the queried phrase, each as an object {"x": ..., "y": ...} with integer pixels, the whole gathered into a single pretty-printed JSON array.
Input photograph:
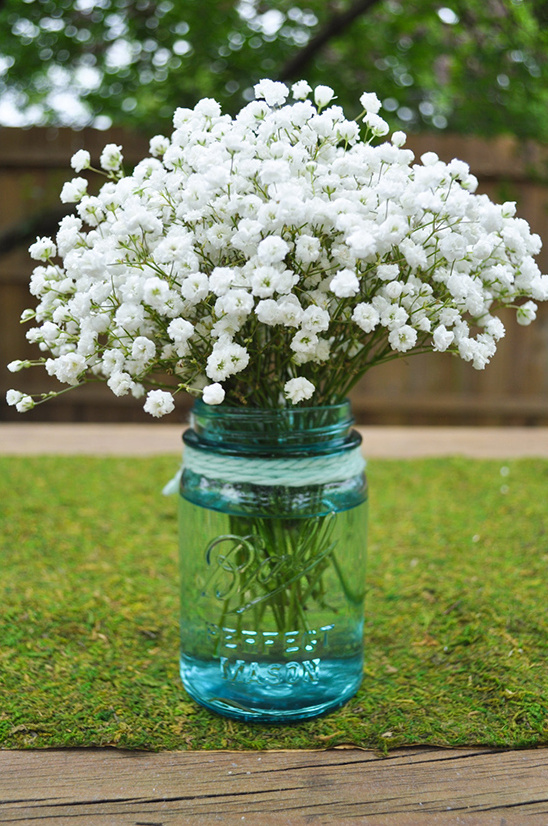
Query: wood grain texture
[
  {"x": 408, "y": 788},
  {"x": 379, "y": 442}
]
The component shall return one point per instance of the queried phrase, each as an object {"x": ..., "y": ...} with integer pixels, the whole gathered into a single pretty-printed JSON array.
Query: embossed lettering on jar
[{"x": 273, "y": 519}]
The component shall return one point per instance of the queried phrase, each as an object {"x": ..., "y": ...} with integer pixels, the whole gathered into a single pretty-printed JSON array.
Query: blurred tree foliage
[{"x": 470, "y": 66}]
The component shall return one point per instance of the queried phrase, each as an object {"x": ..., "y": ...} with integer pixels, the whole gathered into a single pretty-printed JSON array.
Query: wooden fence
[{"x": 430, "y": 389}]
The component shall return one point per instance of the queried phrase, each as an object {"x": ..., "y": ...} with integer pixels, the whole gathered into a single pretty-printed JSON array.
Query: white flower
[
  {"x": 20, "y": 401},
  {"x": 274, "y": 92},
  {"x": 377, "y": 124},
  {"x": 458, "y": 169},
  {"x": 415, "y": 255},
  {"x": 370, "y": 102},
  {"x": 226, "y": 359},
  {"x": 17, "y": 365},
  {"x": 120, "y": 383},
  {"x": 68, "y": 234},
  {"x": 495, "y": 328},
  {"x": 143, "y": 349},
  {"x": 362, "y": 243},
  {"x": 180, "y": 330},
  {"x": 393, "y": 290},
  {"x": 448, "y": 316},
  {"x": 290, "y": 311},
  {"x": 398, "y": 138},
  {"x": 234, "y": 303},
  {"x": 74, "y": 190},
  {"x": 429, "y": 158},
  {"x": 345, "y": 284},
  {"x": 392, "y": 316},
  {"x": 307, "y": 248},
  {"x": 366, "y": 317},
  {"x": 314, "y": 318},
  {"x": 274, "y": 171},
  {"x": 442, "y": 338},
  {"x": 272, "y": 249},
  {"x": 90, "y": 210},
  {"x": 208, "y": 107},
  {"x": 159, "y": 403},
  {"x": 388, "y": 272},
  {"x": 67, "y": 368},
  {"x": 213, "y": 394},
  {"x": 195, "y": 287},
  {"x": 304, "y": 342},
  {"x": 13, "y": 396},
  {"x": 466, "y": 348},
  {"x": 263, "y": 281},
  {"x": 300, "y": 90},
  {"x": 323, "y": 95},
  {"x": 80, "y": 160},
  {"x": 222, "y": 278},
  {"x": 158, "y": 145},
  {"x": 402, "y": 338},
  {"x": 298, "y": 390},
  {"x": 43, "y": 249},
  {"x": 423, "y": 324},
  {"x": 156, "y": 293},
  {"x": 268, "y": 312},
  {"x": 526, "y": 313},
  {"x": 111, "y": 158}
]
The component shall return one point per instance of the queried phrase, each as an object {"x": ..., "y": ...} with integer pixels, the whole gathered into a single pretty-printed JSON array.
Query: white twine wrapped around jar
[{"x": 292, "y": 472}]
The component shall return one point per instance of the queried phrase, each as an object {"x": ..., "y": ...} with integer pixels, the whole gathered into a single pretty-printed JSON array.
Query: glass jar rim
[
  {"x": 202, "y": 407},
  {"x": 268, "y": 431}
]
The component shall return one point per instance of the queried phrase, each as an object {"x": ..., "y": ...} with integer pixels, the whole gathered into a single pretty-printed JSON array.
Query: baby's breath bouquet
[{"x": 271, "y": 259}]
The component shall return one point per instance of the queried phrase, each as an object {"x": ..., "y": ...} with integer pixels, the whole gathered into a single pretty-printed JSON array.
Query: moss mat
[{"x": 456, "y": 628}]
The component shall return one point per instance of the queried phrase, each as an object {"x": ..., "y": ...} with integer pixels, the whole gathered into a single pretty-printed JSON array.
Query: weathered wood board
[{"x": 468, "y": 787}]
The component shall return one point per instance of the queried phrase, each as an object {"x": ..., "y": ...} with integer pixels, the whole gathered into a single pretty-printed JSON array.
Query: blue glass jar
[{"x": 273, "y": 519}]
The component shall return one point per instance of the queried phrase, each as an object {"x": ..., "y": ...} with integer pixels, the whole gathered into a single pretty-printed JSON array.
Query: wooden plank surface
[
  {"x": 408, "y": 788},
  {"x": 378, "y": 441}
]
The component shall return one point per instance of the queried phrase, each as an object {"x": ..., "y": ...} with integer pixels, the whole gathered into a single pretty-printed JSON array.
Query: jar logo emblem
[
  {"x": 229, "y": 557},
  {"x": 239, "y": 565}
]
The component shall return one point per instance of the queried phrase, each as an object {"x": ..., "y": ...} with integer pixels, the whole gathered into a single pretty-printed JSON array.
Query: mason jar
[{"x": 272, "y": 526}]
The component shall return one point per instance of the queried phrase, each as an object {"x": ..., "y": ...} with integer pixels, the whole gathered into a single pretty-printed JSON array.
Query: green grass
[{"x": 456, "y": 628}]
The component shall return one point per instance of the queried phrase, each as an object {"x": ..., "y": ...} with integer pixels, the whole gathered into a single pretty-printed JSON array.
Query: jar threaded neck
[{"x": 279, "y": 431}]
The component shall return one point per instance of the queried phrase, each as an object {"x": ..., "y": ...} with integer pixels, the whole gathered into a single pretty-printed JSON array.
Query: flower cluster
[{"x": 273, "y": 258}]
